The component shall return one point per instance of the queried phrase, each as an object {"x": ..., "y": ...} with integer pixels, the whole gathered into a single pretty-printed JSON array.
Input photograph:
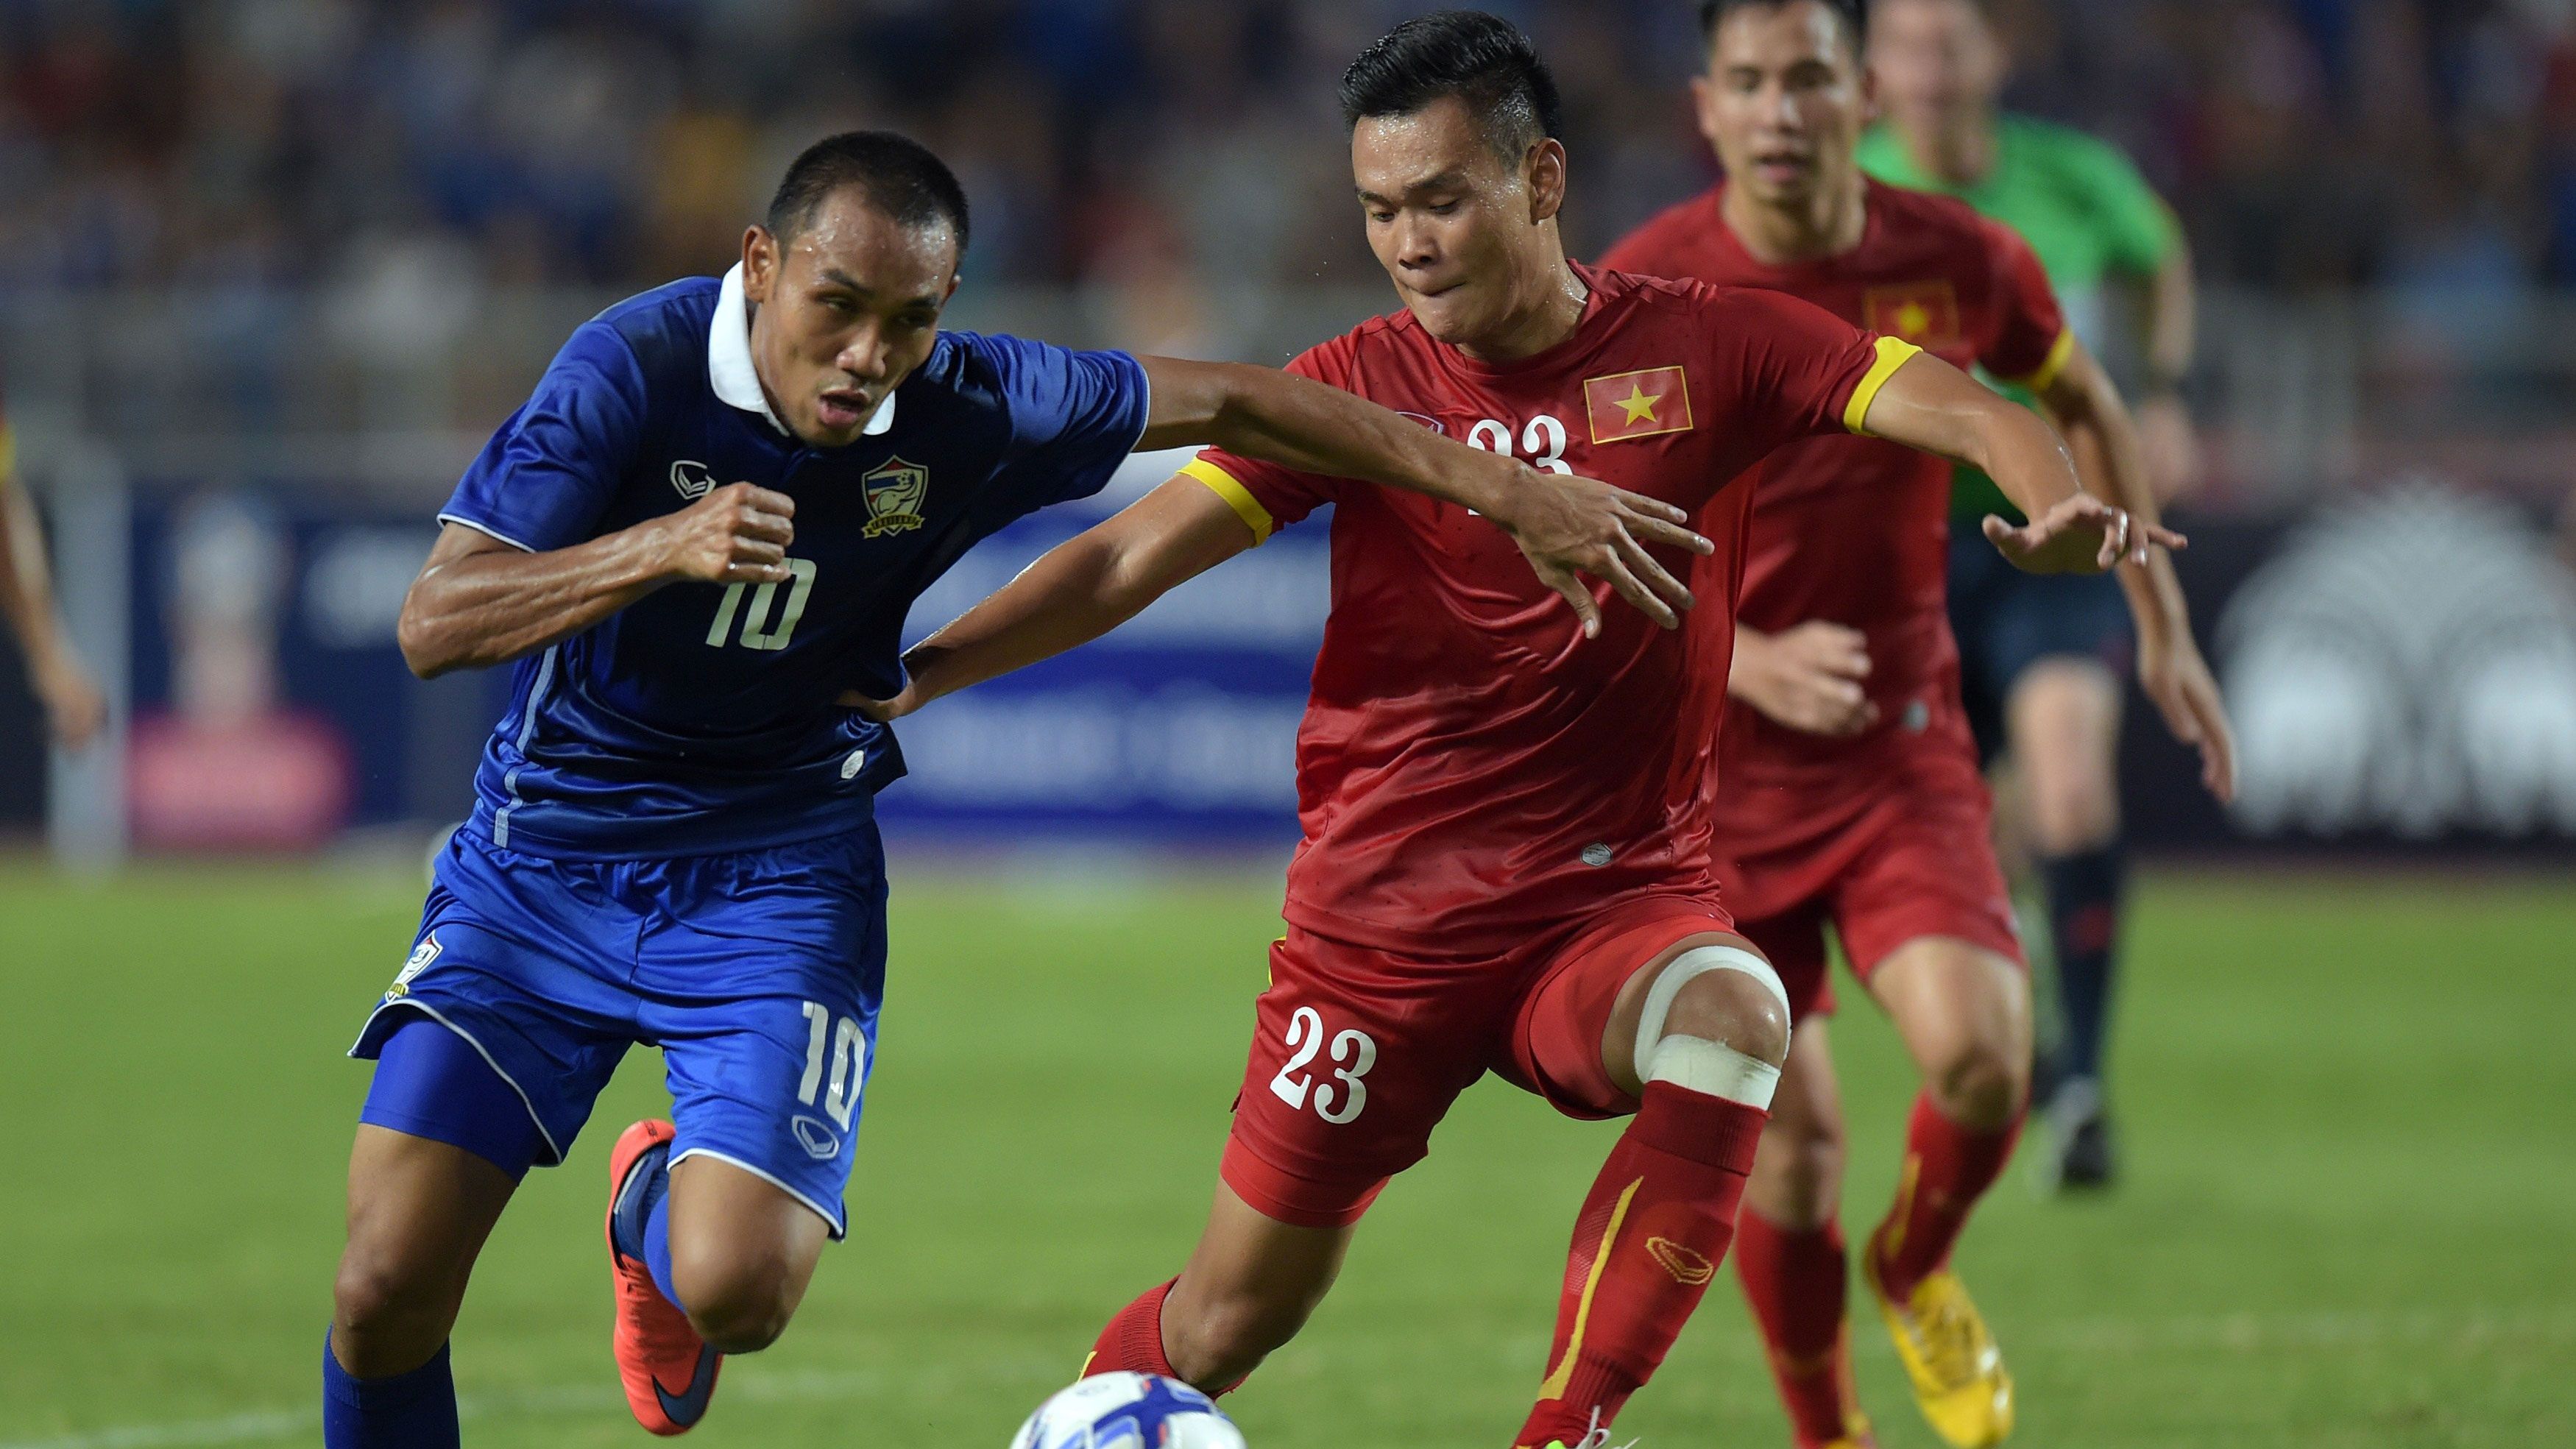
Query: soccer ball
[{"x": 1129, "y": 1411}]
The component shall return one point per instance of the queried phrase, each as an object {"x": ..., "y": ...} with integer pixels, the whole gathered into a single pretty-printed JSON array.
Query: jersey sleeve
[
  {"x": 1267, "y": 496},
  {"x": 547, "y": 476},
  {"x": 2031, "y": 341},
  {"x": 2140, "y": 229},
  {"x": 1074, "y": 417},
  {"x": 1800, "y": 370}
]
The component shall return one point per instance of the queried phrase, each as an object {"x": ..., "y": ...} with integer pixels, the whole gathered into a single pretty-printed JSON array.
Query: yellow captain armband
[
  {"x": 2060, "y": 353},
  {"x": 1892, "y": 354},
  {"x": 1237, "y": 497}
]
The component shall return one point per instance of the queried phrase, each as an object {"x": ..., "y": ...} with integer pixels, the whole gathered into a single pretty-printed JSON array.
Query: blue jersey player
[{"x": 701, "y": 532}]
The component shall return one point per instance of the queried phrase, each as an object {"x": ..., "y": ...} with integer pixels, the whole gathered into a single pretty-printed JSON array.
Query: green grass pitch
[{"x": 2350, "y": 1218}]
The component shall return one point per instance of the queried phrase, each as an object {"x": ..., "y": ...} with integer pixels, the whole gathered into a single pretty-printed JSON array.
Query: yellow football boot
[
  {"x": 1958, "y": 1373},
  {"x": 1596, "y": 1437}
]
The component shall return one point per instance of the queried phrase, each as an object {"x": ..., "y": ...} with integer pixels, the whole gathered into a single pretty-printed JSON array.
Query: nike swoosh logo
[{"x": 690, "y": 1405}]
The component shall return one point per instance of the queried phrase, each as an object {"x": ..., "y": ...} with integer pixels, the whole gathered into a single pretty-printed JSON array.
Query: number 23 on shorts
[{"x": 1353, "y": 1053}]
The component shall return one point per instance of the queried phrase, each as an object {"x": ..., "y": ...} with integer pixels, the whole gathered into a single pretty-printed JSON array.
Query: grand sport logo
[
  {"x": 2407, "y": 662},
  {"x": 692, "y": 479}
]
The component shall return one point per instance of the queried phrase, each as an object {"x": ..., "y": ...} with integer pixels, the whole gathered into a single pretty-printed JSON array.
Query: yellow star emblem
[
  {"x": 1913, "y": 318},
  {"x": 1637, "y": 405}
]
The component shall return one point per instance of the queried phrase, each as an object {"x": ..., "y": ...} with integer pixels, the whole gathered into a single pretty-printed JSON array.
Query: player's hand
[
  {"x": 2178, "y": 681},
  {"x": 74, "y": 707},
  {"x": 2082, "y": 535},
  {"x": 1568, "y": 526},
  {"x": 883, "y": 711},
  {"x": 1809, "y": 678},
  {"x": 737, "y": 534}
]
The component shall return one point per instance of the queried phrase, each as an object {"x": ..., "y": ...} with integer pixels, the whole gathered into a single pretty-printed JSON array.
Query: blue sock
[
  {"x": 643, "y": 1218},
  {"x": 2084, "y": 923},
  {"x": 416, "y": 1410},
  {"x": 657, "y": 1242}
]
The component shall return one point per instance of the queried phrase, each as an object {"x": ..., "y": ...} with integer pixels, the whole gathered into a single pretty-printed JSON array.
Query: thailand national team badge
[
  {"x": 1923, "y": 313},
  {"x": 895, "y": 492},
  {"x": 692, "y": 479},
  {"x": 1640, "y": 404},
  {"x": 423, "y": 954}
]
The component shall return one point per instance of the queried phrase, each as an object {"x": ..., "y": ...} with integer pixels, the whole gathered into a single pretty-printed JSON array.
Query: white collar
[{"x": 730, "y": 371}]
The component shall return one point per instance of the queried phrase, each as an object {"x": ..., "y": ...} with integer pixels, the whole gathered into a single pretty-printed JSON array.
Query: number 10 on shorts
[
  {"x": 1352, "y": 1056},
  {"x": 847, "y": 1050}
]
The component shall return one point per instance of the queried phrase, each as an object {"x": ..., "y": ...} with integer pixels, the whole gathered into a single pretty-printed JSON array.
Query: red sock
[
  {"x": 1649, "y": 1238},
  {"x": 1134, "y": 1339},
  {"x": 1947, "y": 1168},
  {"x": 1797, "y": 1282}
]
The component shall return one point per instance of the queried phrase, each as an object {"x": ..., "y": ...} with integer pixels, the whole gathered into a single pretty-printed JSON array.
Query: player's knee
[
  {"x": 1800, "y": 1168},
  {"x": 1982, "y": 1084},
  {"x": 2078, "y": 813},
  {"x": 1735, "y": 1008},
  {"x": 739, "y": 1302},
  {"x": 390, "y": 1309}
]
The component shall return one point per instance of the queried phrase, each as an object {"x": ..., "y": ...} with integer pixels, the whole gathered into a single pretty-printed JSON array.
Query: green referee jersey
[{"x": 2080, "y": 204}]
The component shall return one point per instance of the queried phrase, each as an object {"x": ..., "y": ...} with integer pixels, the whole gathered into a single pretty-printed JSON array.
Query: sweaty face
[
  {"x": 848, "y": 308},
  {"x": 1939, "y": 65},
  {"x": 1454, "y": 224},
  {"x": 1784, "y": 100}
]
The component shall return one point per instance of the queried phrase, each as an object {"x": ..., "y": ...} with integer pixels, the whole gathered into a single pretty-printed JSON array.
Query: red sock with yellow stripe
[
  {"x": 1947, "y": 1168},
  {"x": 1134, "y": 1339},
  {"x": 1798, "y": 1283},
  {"x": 1650, "y": 1236}
]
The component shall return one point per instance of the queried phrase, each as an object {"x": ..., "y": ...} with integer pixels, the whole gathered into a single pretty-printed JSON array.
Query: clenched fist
[
  {"x": 1811, "y": 678},
  {"x": 737, "y": 534}
]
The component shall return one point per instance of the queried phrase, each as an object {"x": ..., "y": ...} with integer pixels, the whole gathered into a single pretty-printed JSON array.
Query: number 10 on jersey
[{"x": 759, "y": 631}]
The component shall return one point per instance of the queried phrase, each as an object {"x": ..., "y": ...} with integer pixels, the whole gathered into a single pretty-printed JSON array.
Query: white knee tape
[
  {"x": 1694, "y": 1065},
  {"x": 1715, "y": 1069},
  {"x": 1694, "y": 963}
]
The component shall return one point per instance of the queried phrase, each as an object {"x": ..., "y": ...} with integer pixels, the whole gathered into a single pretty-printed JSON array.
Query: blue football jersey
[{"x": 701, "y": 718}]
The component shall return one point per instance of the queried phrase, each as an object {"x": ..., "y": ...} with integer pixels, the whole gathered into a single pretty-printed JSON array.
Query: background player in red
[
  {"x": 1853, "y": 795},
  {"x": 1507, "y": 862}
]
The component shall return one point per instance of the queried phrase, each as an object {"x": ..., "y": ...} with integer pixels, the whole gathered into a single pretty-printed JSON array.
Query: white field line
[{"x": 2109, "y": 1337}]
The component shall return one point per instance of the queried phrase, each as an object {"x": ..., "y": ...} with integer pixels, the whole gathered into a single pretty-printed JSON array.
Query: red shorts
[
  {"x": 1357, "y": 1052},
  {"x": 1909, "y": 854}
]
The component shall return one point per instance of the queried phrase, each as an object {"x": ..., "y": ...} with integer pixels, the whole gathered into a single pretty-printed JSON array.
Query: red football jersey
[
  {"x": 1856, "y": 530},
  {"x": 1470, "y": 769}
]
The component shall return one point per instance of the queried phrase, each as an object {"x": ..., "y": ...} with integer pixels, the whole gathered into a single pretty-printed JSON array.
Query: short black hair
[
  {"x": 1483, "y": 60},
  {"x": 897, "y": 174},
  {"x": 1854, "y": 14}
]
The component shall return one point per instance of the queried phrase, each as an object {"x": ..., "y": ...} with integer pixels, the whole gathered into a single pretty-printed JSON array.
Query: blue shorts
[
  {"x": 758, "y": 974},
  {"x": 2007, "y": 620}
]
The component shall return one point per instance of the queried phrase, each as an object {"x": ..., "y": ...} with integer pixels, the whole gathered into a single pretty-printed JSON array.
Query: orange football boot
[{"x": 669, "y": 1372}]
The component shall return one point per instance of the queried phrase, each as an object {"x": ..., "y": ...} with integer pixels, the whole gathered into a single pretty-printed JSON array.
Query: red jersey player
[
  {"x": 1852, "y": 794},
  {"x": 1507, "y": 861}
]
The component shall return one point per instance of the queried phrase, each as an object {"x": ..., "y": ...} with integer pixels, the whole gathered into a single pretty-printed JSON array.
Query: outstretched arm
[
  {"x": 479, "y": 601},
  {"x": 1565, "y": 525},
  {"x": 1079, "y": 590},
  {"x": 1929, "y": 404},
  {"x": 73, "y": 706},
  {"x": 2089, "y": 410}
]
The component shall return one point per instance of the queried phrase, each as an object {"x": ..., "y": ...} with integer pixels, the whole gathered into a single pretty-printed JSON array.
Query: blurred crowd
[{"x": 254, "y": 143}]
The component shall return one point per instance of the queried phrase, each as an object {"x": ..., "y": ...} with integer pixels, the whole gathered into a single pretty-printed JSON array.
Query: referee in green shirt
[{"x": 2041, "y": 658}]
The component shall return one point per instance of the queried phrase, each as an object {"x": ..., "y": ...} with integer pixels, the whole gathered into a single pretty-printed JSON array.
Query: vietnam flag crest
[
  {"x": 1923, "y": 313},
  {"x": 1640, "y": 404}
]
